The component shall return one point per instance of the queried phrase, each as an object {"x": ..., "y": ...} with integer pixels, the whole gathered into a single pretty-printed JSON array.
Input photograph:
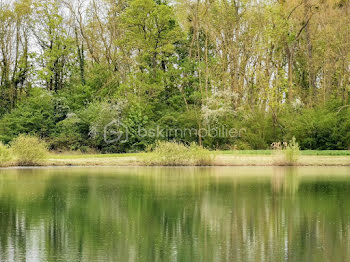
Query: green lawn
[
  {"x": 326, "y": 152},
  {"x": 303, "y": 152},
  {"x": 228, "y": 152},
  {"x": 82, "y": 156}
]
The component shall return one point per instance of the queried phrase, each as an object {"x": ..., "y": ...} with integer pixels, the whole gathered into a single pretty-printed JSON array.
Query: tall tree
[{"x": 56, "y": 44}]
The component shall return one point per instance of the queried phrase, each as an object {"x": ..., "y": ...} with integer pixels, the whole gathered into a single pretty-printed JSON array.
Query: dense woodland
[{"x": 276, "y": 68}]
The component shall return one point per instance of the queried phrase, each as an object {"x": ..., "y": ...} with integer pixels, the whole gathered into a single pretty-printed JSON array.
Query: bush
[
  {"x": 5, "y": 154},
  {"x": 200, "y": 156},
  {"x": 177, "y": 154},
  {"x": 292, "y": 152},
  {"x": 76, "y": 97},
  {"x": 69, "y": 135},
  {"x": 286, "y": 153},
  {"x": 34, "y": 114},
  {"x": 319, "y": 128},
  {"x": 29, "y": 150}
]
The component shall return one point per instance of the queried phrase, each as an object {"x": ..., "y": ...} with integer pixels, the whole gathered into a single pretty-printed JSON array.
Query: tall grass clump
[
  {"x": 292, "y": 152},
  {"x": 200, "y": 156},
  {"x": 286, "y": 153},
  {"x": 29, "y": 150},
  {"x": 5, "y": 154},
  {"x": 178, "y": 154}
]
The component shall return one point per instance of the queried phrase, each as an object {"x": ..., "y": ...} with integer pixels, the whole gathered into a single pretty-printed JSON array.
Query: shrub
[
  {"x": 177, "y": 154},
  {"x": 5, "y": 154},
  {"x": 292, "y": 152},
  {"x": 200, "y": 156},
  {"x": 286, "y": 153},
  {"x": 29, "y": 150},
  {"x": 93, "y": 122},
  {"x": 320, "y": 127},
  {"x": 76, "y": 96},
  {"x": 33, "y": 115},
  {"x": 69, "y": 134}
]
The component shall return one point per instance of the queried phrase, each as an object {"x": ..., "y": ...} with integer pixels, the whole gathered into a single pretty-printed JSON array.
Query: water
[{"x": 175, "y": 214}]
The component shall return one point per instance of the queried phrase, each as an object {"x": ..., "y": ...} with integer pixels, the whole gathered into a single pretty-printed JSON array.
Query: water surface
[{"x": 175, "y": 214}]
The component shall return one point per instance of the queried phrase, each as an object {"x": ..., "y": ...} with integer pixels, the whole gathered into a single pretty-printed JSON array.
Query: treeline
[{"x": 276, "y": 69}]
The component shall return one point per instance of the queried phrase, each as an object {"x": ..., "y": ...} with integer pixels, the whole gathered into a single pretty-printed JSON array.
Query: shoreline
[{"x": 221, "y": 159}]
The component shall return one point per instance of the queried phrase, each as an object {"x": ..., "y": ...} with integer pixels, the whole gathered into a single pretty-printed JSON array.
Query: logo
[{"x": 116, "y": 131}]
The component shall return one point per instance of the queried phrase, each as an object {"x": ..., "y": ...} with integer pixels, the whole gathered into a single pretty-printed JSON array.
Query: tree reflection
[
  {"x": 173, "y": 214},
  {"x": 285, "y": 180}
]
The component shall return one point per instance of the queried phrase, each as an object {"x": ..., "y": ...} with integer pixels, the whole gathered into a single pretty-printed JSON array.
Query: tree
[
  {"x": 56, "y": 44},
  {"x": 14, "y": 52}
]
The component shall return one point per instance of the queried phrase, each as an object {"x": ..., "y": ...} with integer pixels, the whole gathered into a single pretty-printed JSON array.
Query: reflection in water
[
  {"x": 285, "y": 180},
  {"x": 175, "y": 214}
]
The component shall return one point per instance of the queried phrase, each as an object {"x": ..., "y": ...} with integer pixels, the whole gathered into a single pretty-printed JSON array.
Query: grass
[
  {"x": 178, "y": 154},
  {"x": 86, "y": 156},
  {"x": 302, "y": 152},
  {"x": 5, "y": 155},
  {"x": 222, "y": 158},
  {"x": 70, "y": 155},
  {"x": 168, "y": 154},
  {"x": 287, "y": 154},
  {"x": 29, "y": 150}
]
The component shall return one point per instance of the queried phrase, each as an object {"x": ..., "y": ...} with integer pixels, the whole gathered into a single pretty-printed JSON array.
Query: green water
[{"x": 175, "y": 214}]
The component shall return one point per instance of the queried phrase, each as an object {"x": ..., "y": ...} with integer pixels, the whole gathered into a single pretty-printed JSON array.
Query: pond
[{"x": 175, "y": 214}]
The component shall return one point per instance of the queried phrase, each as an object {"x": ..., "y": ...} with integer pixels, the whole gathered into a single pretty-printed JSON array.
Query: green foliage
[
  {"x": 29, "y": 150},
  {"x": 319, "y": 128},
  {"x": 200, "y": 156},
  {"x": 55, "y": 42},
  {"x": 70, "y": 134},
  {"x": 76, "y": 97},
  {"x": 178, "y": 154},
  {"x": 35, "y": 114},
  {"x": 5, "y": 154},
  {"x": 96, "y": 118},
  {"x": 259, "y": 131},
  {"x": 151, "y": 28},
  {"x": 153, "y": 64},
  {"x": 168, "y": 154}
]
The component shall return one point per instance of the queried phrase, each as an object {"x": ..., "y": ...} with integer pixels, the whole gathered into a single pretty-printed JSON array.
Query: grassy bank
[
  {"x": 222, "y": 158},
  {"x": 302, "y": 152}
]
